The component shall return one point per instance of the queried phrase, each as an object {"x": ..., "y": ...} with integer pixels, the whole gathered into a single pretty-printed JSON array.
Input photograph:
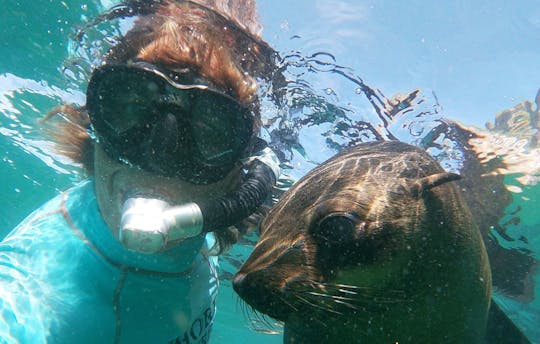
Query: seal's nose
[{"x": 238, "y": 282}]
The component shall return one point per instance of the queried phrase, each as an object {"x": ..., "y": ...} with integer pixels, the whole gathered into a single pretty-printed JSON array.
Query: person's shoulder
[
  {"x": 80, "y": 195},
  {"x": 52, "y": 213}
]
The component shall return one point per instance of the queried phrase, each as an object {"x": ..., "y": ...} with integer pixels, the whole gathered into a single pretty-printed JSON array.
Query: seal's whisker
[
  {"x": 241, "y": 304},
  {"x": 335, "y": 297},
  {"x": 345, "y": 291},
  {"x": 260, "y": 322},
  {"x": 355, "y": 288},
  {"x": 368, "y": 293},
  {"x": 348, "y": 286},
  {"x": 360, "y": 311},
  {"x": 354, "y": 304},
  {"x": 247, "y": 314},
  {"x": 260, "y": 317},
  {"x": 257, "y": 321},
  {"x": 317, "y": 306},
  {"x": 363, "y": 297},
  {"x": 346, "y": 304},
  {"x": 289, "y": 304}
]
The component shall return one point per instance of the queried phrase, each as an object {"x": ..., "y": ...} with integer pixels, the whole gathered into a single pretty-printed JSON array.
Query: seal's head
[{"x": 375, "y": 245}]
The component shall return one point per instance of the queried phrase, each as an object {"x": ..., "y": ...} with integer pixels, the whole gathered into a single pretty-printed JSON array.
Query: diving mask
[{"x": 168, "y": 122}]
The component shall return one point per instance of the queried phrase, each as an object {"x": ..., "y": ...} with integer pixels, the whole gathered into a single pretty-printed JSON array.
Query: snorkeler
[{"x": 168, "y": 136}]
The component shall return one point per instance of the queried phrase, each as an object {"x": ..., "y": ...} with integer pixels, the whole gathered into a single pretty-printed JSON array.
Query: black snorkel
[
  {"x": 149, "y": 225},
  {"x": 261, "y": 177}
]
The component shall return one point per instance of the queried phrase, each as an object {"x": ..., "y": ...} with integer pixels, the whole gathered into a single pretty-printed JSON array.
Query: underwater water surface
[{"x": 352, "y": 69}]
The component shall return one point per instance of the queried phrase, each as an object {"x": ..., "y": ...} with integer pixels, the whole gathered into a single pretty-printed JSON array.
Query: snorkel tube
[{"x": 148, "y": 225}]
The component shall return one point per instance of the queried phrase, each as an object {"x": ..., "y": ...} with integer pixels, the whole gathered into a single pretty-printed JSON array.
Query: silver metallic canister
[{"x": 148, "y": 224}]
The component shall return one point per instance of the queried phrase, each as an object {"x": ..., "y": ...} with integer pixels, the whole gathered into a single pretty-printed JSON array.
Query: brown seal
[{"x": 373, "y": 246}]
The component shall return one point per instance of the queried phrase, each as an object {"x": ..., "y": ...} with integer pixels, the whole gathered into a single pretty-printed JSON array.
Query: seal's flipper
[{"x": 423, "y": 184}]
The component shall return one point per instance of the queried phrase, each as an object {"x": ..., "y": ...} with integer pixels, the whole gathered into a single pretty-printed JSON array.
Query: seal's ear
[{"x": 423, "y": 184}]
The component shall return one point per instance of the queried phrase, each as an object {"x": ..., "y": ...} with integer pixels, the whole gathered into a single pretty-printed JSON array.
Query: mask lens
[
  {"x": 126, "y": 100},
  {"x": 191, "y": 132},
  {"x": 219, "y": 129}
]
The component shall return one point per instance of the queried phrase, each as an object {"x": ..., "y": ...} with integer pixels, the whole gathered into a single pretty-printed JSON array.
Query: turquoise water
[{"x": 472, "y": 59}]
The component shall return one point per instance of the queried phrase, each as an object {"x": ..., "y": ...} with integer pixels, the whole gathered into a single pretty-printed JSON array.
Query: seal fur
[{"x": 373, "y": 246}]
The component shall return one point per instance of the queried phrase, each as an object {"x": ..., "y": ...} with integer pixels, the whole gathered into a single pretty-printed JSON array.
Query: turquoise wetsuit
[{"x": 65, "y": 279}]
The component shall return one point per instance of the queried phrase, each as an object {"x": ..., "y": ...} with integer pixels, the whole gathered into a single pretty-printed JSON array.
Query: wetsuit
[{"x": 65, "y": 279}]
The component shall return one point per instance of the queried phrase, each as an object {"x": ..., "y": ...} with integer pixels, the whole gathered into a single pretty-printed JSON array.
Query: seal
[{"x": 373, "y": 246}]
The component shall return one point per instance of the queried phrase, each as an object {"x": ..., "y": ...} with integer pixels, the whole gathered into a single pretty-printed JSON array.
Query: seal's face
[{"x": 368, "y": 238}]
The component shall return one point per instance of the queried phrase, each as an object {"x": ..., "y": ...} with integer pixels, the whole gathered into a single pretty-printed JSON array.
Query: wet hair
[
  {"x": 194, "y": 35},
  {"x": 218, "y": 39},
  {"x": 71, "y": 134}
]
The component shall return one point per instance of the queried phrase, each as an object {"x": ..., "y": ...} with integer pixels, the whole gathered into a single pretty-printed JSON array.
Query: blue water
[{"x": 471, "y": 59}]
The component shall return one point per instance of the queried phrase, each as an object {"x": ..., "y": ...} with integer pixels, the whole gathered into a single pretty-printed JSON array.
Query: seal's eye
[{"x": 336, "y": 229}]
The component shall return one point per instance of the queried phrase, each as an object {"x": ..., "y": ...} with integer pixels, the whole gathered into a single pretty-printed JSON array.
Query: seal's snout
[
  {"x": 247, "y": 286},
  {"x": 261, "y": 293},
  {"x": 238, "y": 282}
]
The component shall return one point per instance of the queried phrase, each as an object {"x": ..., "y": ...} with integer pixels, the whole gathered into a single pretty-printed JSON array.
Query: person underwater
[{"x": 168, "y": 137}]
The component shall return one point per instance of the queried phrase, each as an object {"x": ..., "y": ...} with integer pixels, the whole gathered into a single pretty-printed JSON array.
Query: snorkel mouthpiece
[{"x": 148, "y": 225}]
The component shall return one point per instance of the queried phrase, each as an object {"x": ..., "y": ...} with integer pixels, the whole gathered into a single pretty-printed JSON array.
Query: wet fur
[{"x": 413, "y": 270}]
